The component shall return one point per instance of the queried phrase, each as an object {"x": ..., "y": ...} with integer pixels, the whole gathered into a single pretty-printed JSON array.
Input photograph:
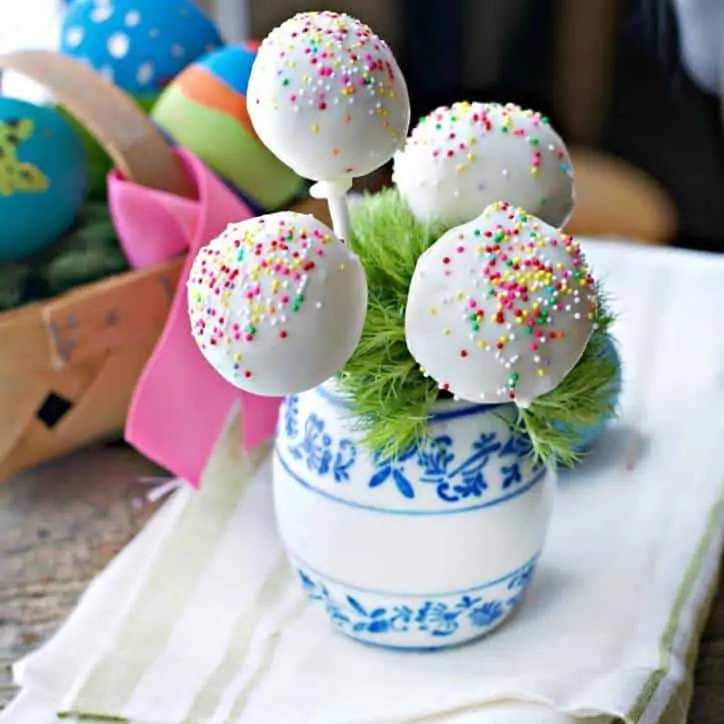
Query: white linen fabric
[{"x": 200, "y": 619}]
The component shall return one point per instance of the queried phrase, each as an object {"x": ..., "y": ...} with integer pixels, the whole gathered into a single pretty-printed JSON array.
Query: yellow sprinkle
[
  {"x": 315, "y": 127},
  {"x": 541, "y": 372},
  {"x": 446, "y": 331},
  {"x": 433, "y": 311}
]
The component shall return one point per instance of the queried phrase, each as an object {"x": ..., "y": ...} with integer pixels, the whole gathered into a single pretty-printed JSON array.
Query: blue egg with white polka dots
[{"x": 141, "y": 45}]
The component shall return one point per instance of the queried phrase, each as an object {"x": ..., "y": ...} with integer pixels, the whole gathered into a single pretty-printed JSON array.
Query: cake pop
[
  {"x": 460, "y": 159},
  {"x": 277, "y": 303},
  {"x": 500, "y": 308},
  {"x": 327, "y": 97}
]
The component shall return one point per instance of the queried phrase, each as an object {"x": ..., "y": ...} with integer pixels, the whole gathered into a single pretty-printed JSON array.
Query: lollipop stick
[{"x": 335, "y": 192}]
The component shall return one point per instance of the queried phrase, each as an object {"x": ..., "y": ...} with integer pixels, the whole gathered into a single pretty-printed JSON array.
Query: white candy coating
[
  {"x": 327, "y": 97},
  {"x": 500, "y": 308},
  {"x": 277, "y": 303},
  {"x": 460, "y": 159}
]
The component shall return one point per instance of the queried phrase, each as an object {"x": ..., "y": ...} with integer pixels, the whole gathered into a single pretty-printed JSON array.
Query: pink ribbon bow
[{"x": 180, "y": 404}]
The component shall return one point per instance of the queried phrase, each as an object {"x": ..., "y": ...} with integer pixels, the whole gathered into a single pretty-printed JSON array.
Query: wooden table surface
[{"x": 61, "y": 524}]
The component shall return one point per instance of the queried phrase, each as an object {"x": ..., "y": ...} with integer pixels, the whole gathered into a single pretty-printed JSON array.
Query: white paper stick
[{"x": 335, "y": 192}]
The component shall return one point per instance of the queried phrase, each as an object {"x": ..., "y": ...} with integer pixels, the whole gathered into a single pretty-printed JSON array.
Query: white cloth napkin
[{"x": 200, "y": 621}]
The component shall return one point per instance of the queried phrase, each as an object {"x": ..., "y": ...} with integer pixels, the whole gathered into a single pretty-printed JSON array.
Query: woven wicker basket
[{"x": 68, "y": 366}]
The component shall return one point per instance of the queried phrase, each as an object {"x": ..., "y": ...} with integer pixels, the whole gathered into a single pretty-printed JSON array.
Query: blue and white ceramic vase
[{"x": 433, "y": 550}]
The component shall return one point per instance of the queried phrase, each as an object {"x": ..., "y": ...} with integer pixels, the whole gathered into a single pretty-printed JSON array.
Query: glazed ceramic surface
[{"x": 431, "y": 550}]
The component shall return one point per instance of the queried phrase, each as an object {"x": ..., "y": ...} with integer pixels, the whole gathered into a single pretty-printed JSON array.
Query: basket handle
[{"x": 126, "y": 133}]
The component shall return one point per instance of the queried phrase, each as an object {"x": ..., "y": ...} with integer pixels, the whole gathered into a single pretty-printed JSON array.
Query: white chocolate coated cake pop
[
  {"x": 460, "y": 159},
  {"x": 277, "y": 303},
  {"x": 327, "y": 97},
  {"x": 501, "y": 308}
]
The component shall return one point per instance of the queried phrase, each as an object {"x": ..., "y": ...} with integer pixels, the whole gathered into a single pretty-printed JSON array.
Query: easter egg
[
  {"x": 277, "y": 303},
  {"x": 43, "y": 177},
  {"x": 588, "y": 435},
  {"x": 138, "y": 44},
  {"x": 205, "y": 110}
]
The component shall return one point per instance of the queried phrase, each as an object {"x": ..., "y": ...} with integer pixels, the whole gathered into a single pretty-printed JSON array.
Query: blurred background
[
  {"x": 608, "y": 73},
  {"x": 649, "y": 156}
]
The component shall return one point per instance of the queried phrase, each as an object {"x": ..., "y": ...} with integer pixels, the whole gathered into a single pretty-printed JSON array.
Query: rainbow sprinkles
[
  {"x": 501, "y": 308},
  {"x": 327, "y": 96},
  {"x": 268, "y": 281},
  {"x": 461, "y": 158}
]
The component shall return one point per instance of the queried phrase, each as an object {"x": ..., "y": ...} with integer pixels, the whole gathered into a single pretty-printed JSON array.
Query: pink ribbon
[{"x": 180, "y": 404}]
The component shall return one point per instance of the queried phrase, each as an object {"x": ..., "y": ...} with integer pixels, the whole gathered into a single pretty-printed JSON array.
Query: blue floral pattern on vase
[
  {"x": 465, "y": 615},
  {"x": 435, "y": 464}
]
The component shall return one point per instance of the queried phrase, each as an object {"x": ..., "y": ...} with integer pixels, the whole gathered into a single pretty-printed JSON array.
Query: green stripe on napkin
[
  {"x": 208, "y": 698},
  {"x": 675, "y": 712},
  {"x": 173, "y": 579}
]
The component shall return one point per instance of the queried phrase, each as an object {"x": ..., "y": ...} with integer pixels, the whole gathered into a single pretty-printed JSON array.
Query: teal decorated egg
[
  {"x": 138, "y": 44},
  {"x": 43, "y": 177},
  {"x": 204, "y": 110}
]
